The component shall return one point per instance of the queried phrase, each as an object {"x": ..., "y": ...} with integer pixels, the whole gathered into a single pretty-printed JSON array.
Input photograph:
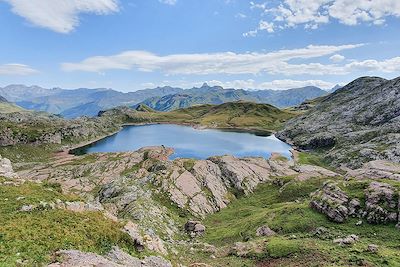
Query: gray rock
[
  {"x": 331, "y": 201},
  {"x": 195, "y": 228},
  {"x": 265, "y": 231},
  {"x": 373, "y": 248},
  {"x": 356, "y": 124},
  {"x": 115, "y": 258},
  {"x": 27, "y": 208},
  {"x": 349, "y": 240}
]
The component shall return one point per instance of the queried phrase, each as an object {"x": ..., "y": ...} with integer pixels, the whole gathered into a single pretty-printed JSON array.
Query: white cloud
[
  {"x": 337, "y": 58},
  {"x": 262, "y": 26},
  {"x": 16, "y": 69},
  {"x": 168, "y": 2},
  {"x": 276, "y": 62},
  {"x": 60, "y": 15},
  {"x": 312, "y": 13},
  {"x": 274, "y": 85},
  {"x": 388, "y": 66}
]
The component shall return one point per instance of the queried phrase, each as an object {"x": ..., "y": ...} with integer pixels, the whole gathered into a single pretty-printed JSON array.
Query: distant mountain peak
[{"x": 205, "y": 85}]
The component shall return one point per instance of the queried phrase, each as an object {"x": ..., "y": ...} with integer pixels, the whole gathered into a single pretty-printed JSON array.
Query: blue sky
[{"x": 130, "y": 45}]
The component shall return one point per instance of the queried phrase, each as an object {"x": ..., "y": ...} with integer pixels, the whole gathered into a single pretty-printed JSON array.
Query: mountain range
[{"x": 88, "y": 102}]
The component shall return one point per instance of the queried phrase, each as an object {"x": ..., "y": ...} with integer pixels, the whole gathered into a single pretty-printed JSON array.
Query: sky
[{"x": 129, "y": 45}]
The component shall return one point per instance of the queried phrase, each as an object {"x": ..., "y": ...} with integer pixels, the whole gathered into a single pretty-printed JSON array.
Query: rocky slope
[
  {"x": 358, "y": 123},
  {"x": 41, "y": 128}
]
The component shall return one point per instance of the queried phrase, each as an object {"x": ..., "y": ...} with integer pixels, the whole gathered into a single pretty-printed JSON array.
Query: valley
[{"x": 146, "y": 208}]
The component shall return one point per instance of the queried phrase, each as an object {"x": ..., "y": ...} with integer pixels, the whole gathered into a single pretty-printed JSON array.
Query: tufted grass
[
  {"x": 287, "y": 212},
  {"x": 32, "y": 237}
]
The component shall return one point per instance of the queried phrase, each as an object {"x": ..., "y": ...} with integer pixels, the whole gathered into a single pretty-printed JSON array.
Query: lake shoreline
[{"x": 79, "y": 149}]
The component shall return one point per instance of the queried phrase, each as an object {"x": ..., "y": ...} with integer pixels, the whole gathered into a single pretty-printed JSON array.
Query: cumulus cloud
[
  {"x": 337, "y": 58},
  {"x": 312, "y": 13},
  {"x": 276, "y": 62},
  {"x": 16, "y": 69},
  {"x": 168, "y": 2},
  {"x": 60, "y": 15}
]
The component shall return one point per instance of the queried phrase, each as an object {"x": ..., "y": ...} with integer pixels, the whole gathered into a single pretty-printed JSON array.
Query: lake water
[{"x": 189, "y": 142}]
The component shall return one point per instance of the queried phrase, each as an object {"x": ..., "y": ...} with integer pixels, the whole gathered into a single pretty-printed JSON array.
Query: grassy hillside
[
  {"x": 6, "y": 107},
  {"x": 285, "y": 210},
  {"x": 240, "y": 115},
  {"x": 31, "y": 237}
]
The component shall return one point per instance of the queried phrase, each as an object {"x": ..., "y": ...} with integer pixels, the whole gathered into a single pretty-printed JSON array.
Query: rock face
[
  {"x": 331, "y": 201},
  {"x": 381, "y": 203},
  {"x": 198, "y": 186},
  {"x": 115, "y": 258},
  {"x": 6, "y": 169},
  {"x": 358, "y": 123}
]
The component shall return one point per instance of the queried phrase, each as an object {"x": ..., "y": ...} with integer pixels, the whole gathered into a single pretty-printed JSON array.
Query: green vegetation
[
  {"x": 285, "y": 210},
  {"x": 6, "y": 107},
  {"x": 23, "y": 153},
  {"x": 236, "y": 115},
  {"x": 312, "y": 159},
  {"x": 32, "y": 237}
]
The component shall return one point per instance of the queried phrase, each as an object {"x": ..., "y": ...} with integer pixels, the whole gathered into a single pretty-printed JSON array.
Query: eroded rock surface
[
  {"x": 115, "y": 258},
  {"x": 331, "y": 201},
  {"x": 381, "y": 203},
  {"x": 377, "y": 169}
]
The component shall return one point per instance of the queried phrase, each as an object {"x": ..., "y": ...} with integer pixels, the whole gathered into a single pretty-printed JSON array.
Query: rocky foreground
[{"x": 160, "y": 203}]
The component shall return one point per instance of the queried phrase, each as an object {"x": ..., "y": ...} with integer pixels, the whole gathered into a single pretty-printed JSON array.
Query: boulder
[
  {"x": 195, "y": 228},
  {"x": 373, "y": 248},
  {"x": 265, "y": 231},
  {"x": 349, "y": 240},
  {"x": 6, "y": 169}
]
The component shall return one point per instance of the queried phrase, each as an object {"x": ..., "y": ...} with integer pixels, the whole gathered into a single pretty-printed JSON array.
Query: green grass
[
  {"x": 236, "y": 115},
  {"x": 312, "y": 159},
  {"x": 6, "y": 107},
  {"x": 286, "y": 211},
  {"x": 29, "y": 153},
  {"x": 35, "y": 236}
]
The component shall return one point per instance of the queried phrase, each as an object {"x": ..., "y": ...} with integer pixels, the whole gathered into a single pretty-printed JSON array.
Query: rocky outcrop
[
  {"x": 331, "y": 201},
  {"x": 41, "y": 128},
  {"x": 115, "y": 258},
  {"x": 381, "y": 203},
  {"x": 198, "y": 186},
  {"x": 377, "y": 169},
  {"x": 358, "y": 123},
  {"x": 6, "y": 169}
]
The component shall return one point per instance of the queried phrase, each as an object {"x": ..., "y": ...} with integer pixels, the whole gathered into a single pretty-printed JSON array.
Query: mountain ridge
[{"x": 88, "y": 102}]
